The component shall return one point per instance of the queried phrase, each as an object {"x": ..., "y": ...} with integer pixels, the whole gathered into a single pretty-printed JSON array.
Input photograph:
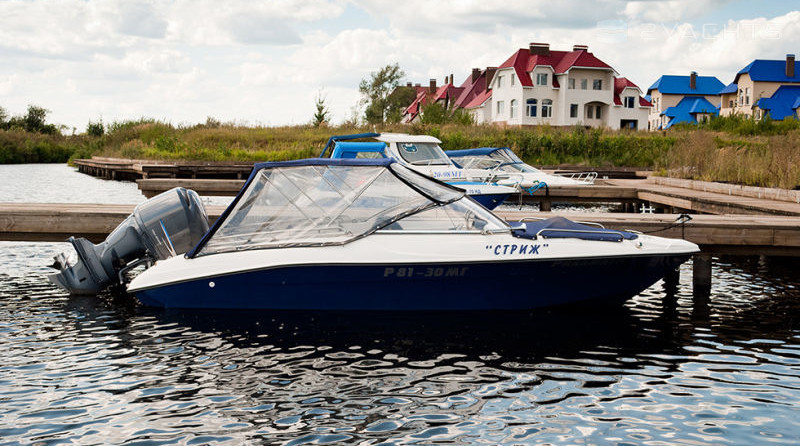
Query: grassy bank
[{"x": 732, "y": 150}]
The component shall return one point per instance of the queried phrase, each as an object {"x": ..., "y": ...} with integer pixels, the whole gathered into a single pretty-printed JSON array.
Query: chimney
[
  {"x": 790, "y": 65},
  {"x": 693, "y": 80},
  {"x": 432, "y": 86},
  {"x": 580, "y": 47},
  {"x": 539, "y": 49},
  {"x": 408, "y": 84},
  {"x": 452, "y": 81},
  {"x": 489, "y": 76},
  {"x": 476, "y": 73}
]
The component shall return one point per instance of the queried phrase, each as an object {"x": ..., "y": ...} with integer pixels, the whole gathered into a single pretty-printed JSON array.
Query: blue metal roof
[
  {"x": 782, "y": 103},
  {"x": 671, "y": 84},
  {"x": 769, "y": 71},
  {"x": 730, "y": 88},
  {"x": 687, "y": 109}
]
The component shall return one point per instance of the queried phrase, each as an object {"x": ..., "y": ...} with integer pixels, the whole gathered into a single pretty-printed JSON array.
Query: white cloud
[
  {"x": 264, "y": 62},
  {"x": 671, "y": 10}
]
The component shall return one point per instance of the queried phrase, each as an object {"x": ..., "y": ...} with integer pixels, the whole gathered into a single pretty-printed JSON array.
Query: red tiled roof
[
  {"x": 561, "y": 61},
  {"x": 620, "y": 84},
  {"x": 470, "y": 90},
  {"x": 478, "y": 100}
]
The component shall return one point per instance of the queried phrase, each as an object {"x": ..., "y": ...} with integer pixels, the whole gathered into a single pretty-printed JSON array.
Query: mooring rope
[{"x": 681, "y": 220}]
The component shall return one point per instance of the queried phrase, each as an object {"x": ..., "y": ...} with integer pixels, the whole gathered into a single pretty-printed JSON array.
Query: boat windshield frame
[{"x": 423, "y": 193}]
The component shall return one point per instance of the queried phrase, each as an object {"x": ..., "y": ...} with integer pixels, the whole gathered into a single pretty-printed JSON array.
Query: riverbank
[{"x": 728, "y": 150}]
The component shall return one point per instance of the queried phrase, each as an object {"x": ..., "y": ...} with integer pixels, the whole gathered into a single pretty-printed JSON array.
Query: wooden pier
[
  {"x": 132, "y": 170},
  {"x": 664, "y": 195},
  {"x": 742, "y": 234}
]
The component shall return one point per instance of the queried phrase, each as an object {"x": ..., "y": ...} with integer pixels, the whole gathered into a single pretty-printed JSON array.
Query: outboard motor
[{"x": 166, "y": 225}]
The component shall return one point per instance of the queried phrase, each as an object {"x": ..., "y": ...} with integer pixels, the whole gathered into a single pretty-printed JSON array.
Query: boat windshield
[
  {"x": 504, "y": 160},
  {"x": 423, "y": 153},
  {"x": 321, "y": 204}
]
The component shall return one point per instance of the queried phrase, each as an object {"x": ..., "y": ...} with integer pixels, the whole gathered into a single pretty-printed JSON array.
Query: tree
[
  {"x": 376, "y": 89},
  {"x": 398, "y": 101},
  {"x": 35, "y": 121},
  {"x": 95, "y": 129},
  {"x": 3, "y": 117},
  {"x": 322, "y": 115}
]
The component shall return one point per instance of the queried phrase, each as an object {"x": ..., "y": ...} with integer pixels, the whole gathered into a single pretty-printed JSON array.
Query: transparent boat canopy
[
  {"x": 323, "y": 201},
  {"x": 500, "y": 158}
]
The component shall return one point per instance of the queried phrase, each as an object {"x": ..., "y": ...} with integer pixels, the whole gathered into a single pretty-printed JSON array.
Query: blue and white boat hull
[{"x": 475, "y": 272}]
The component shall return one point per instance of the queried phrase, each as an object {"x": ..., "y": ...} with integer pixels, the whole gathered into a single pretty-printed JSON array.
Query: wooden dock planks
[{"x": 769, "y": 235}]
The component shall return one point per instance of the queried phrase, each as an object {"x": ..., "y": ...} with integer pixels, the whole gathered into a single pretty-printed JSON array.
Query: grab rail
[{"x": 581, "y": 231}]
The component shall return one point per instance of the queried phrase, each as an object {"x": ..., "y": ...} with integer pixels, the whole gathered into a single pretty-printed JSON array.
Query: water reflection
[{"x": 658, "y": 369}]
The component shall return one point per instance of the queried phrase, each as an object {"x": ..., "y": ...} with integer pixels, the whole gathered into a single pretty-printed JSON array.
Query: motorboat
[
  {"x": 502, "y": 166},
  {"x": 423, "y": 154},
  {"x": 374, "y": 234}
]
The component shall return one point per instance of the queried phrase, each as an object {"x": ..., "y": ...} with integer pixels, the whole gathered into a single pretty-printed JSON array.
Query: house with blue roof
[
  {"x": 759, "y": 80},
  {"x": 685, "y": 97},
  {"x": 782, "y": 104}
]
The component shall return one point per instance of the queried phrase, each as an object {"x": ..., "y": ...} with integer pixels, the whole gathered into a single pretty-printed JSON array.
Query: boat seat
[{"x": 560, "y": 227}]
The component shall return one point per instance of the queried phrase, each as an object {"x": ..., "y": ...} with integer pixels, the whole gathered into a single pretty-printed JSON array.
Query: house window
[
  {"x": 499, "y": 81},
  {"x": 741, "y": 97},
  {"x": 584, "y": 84},
  {"x": 541, "y": 79},
  {"x": 597, "y": 84},
  {"x": 530, "y": 107},
  {"x": 597, "y": 112},
  {"x": 571, "y": 83},
  {"x": 547, "y": 108},
  {"x": 747, "y": 96},
  {"x": 589, "y": 111},
  {"x": 513, "y": 109},
  {"x": 500, "y": 108},
  {"x": 513, "y": 79},
  {"x": 730, "y": 103},
  {"x": 573, "y": 110},
  {"x": 629, "y": 101}
]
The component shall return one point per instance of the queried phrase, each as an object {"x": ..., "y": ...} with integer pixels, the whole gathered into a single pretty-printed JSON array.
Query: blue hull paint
[
  {"x": 475, "y": 286},
  {"x": 490, "y": 201}
]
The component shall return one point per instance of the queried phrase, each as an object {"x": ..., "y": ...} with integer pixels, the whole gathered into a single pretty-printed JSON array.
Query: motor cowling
[{"x": 166, "y": 225}]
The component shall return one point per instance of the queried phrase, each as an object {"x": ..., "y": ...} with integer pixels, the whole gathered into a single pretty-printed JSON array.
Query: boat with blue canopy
[
  {"x": 421, "y": 153},
  {"x": 502, "y": 166}
]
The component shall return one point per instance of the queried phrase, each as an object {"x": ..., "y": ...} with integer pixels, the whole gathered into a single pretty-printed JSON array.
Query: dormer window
[
  {"x": 499, "y": 81},
  {"x": 541, "y": 78},
  {"x": 629, "y": 102},
  {"x": 513, "y": 79}
]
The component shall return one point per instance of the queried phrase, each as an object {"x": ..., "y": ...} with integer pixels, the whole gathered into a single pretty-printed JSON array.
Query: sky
[{"x": 264, "y": 63}]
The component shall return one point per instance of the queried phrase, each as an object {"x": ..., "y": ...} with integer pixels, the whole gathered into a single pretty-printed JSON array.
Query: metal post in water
[{"x": 701, "y": 275}]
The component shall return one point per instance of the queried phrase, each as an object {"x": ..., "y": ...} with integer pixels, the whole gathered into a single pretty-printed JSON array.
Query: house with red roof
[
  {"x": 537, "y": 86},
  {"x": 476, "y": 97},
  {"x": 445, "y": 95}
]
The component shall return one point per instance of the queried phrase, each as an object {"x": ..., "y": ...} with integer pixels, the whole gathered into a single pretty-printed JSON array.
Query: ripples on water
[
  {"x": 103, "y": 370},
  {"x": 665, "y": 369}
]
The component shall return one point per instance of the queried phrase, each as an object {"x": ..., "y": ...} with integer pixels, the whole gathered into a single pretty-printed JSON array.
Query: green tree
[
  {"x": 322, "y": 114},
  {"x": 433, "y": 113},
  {"x": 95, "y": 129},
  {"x": 3, "y": 118},
  {"x": 35, "y": 121},
  {"x": 375, "y": 92},
  {"x": 398, "y": 100}
]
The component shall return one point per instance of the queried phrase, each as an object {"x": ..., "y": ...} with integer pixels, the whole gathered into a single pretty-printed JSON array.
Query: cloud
[{"x": 670, "y": 11}]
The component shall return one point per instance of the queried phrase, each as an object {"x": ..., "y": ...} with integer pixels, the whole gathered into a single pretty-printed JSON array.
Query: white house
[{"x": 537, "y": 86}]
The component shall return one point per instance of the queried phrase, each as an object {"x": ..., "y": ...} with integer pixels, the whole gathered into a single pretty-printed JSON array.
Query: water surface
[{"x": 664, "y": 369}]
